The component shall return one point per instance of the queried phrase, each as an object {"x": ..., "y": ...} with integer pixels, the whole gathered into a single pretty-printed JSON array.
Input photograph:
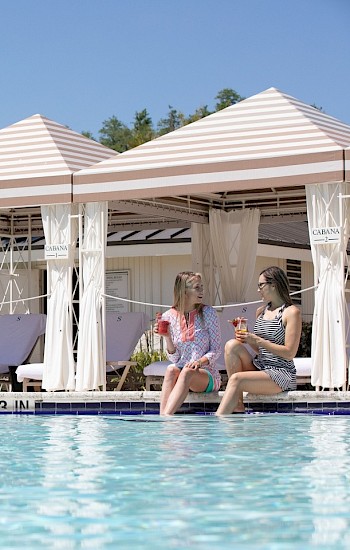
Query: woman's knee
[
  {"x": 232, "y": 346},
  {"x": 186, "y": 375},
  {"x": 172, "y": 372},
  {"x": 234, "y": 381}
]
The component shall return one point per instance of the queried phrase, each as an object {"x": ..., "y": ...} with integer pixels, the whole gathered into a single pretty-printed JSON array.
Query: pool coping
[{"x": 147, "y": 402}]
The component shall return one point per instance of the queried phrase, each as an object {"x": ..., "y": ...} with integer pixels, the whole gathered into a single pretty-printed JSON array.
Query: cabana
[
  {"x": 37, "y": 161},
  {"x": 270, "y": 156}
]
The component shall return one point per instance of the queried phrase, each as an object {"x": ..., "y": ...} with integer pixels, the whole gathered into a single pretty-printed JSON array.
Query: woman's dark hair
[{"x": 276, "y": 276}]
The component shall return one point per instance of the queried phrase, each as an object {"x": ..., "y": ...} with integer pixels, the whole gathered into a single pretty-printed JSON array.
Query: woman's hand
[
  {"x": 193, "y": 365},
  {"x": 165, "y": 332},
  {"x": 245, "y": 337}
]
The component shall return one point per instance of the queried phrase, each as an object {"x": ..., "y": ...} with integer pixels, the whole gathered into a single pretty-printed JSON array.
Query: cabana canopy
[
  {"x": 347, "y": 164},
  {"x": 37, "y": 160},
  {"x": 260, "y": 152}
]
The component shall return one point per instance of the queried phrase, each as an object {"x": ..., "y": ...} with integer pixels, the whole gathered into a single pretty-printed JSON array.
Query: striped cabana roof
[
  {"x": 270, "y": 140},
  {"x": 347, "y": 164},
  {"x": 37, "y": 159}
]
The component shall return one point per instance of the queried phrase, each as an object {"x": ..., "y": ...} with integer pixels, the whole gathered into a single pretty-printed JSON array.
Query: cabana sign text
[
  {"x": 56, "y": 251},
  {"x": 325, "y": 235}
]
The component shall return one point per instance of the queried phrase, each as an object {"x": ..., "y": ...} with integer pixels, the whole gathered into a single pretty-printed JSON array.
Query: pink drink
[{"x": 163, "y": 326}]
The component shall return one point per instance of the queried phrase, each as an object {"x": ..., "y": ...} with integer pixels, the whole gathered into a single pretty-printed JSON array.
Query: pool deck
[{"x": 147, "y": 402}]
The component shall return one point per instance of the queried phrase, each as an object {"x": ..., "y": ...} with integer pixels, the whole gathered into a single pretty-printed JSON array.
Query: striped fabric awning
[
  {"x": 347, "y": 164},
  {"x": 268, "y": 140},
  {"x": 37, "y": 160}
]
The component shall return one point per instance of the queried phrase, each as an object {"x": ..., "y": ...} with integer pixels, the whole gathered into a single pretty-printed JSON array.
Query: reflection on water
[
  {"x": 74, "y": 463},
  {"x": 327, "y": 477},
  {"x": 246, "y": 481}
]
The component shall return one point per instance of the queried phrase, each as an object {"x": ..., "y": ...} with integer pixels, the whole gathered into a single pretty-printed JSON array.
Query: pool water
[{"x": 187, "y": 482}]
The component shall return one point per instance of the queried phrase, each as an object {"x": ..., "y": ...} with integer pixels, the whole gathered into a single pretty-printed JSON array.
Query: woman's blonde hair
[{"x": 184, "y": 280}]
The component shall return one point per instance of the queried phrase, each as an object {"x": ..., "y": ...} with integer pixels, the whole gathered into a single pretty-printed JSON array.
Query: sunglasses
[{"x": 261, "y": 285}]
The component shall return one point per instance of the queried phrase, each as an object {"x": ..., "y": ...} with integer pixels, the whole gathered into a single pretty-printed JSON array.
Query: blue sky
[{"x": 79, "y": 62}]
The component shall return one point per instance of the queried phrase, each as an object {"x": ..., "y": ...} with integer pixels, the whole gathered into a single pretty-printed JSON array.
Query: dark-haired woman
[
  {"x": 275, "y": 339},
  {"x": 193, "y": 344}
]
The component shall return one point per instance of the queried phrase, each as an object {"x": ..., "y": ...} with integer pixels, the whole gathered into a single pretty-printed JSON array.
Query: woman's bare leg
[
  {"x": 237, "y": 359},
  {"x": 250, "y": 381},
  {"x": 171, "y": 375},
  {"x": 196, "y": 380}
]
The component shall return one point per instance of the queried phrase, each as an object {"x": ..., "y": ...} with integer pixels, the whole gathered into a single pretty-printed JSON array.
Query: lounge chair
[
  {"x": 123, "y": 331},
  {"x": 19, "y": 334}
]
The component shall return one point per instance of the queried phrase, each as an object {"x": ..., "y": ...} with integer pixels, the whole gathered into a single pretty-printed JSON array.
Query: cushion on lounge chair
[
  {"x": 303, "y": 367},
  {"x": 123, "y": 331},
  {"x": 19, "y": 334}
]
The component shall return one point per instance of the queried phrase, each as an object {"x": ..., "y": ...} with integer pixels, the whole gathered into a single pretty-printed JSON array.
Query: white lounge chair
[
  {"x": 123, "y": 331},
  {"x": 19, "y": 334}
]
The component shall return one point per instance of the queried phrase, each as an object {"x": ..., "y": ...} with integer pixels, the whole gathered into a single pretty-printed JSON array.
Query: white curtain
[
  {"x": 328, "y": 329},
  {"x": 225, "y": 251},
  {"x": 91, "y": 361},
  {"x": 203, "y": 261},
  {"x": 59, "y": 228}
]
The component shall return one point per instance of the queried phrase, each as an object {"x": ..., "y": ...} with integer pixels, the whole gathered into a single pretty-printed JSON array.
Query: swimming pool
[{"x": 247, "y": 481}]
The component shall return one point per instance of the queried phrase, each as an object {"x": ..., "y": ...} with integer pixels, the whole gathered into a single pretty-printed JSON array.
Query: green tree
[
  {"x": 143, "y": 128},
  {"x": 173, "y": 121},
  {"x": 88, "y": 134},
  {"x": 116, "y": 135},
  {"x": 227, "y": 97},
  {"x": 201, "y": 112}
]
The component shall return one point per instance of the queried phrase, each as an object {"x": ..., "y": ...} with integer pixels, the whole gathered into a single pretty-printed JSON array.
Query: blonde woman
[
  {"x": 275, "y": 340},
  {"x": 192, "y": 343}
]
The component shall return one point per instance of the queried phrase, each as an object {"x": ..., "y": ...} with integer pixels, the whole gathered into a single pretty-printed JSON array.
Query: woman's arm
[
  {"x": 170, "y": 338},
  {"x": 213, "y": 326},
  {"x": 257, "y": 313}
]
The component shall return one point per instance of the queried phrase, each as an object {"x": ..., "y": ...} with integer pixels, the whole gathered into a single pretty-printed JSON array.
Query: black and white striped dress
[{"x": 280, "y": 370}]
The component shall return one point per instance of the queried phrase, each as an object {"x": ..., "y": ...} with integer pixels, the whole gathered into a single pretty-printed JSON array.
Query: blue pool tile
[
  {"x": 300, "y": 405},
  {"x": 195, "y": 407},
  {"x": 330, "y": 405},
  {"x": 77, "y": 407},
  {"x": 137, "y": 406},
  {"x": 48, "y": 407},
  {"x": 149, "y": 407},
  {"x": 211, "y": 407},
  {"x": 107, "y": 406},
  {"x": 93, "y": 406},
  {"x": 270, "y": 407},
  {"x": 285, "y": 407},
  {"x": 61, "y": 407},
  {"x": 256, "y": 407},
  {"x": 122, "y": 406},
  {"x": 312, "y": 406},
  {"x": 343, "y": 404}
]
